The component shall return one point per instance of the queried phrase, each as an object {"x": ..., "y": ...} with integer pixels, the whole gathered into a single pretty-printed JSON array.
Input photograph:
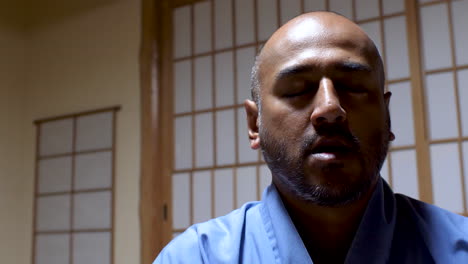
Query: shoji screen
[
  {"x": 215, "y": 171},
  {"x": 445, "y": 65},
  {"x": 75, "y": 189},
  {"x": 214, "y": 47}
]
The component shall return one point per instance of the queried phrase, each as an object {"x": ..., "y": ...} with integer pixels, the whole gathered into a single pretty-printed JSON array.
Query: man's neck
[{"x": 327, "y": 232}]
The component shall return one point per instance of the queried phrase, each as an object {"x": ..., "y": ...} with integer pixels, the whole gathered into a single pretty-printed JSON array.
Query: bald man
[{"x": 320, "y": 115}]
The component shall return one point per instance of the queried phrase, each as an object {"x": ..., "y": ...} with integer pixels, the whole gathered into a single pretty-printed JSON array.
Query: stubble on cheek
[{"x": 281, "y": 137}]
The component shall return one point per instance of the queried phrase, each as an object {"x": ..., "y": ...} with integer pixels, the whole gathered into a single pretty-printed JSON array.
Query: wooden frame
[
  {"x": 420, "y": 123},
  {"x": 156, "y": 135},
  {"x": 72, "y": 191}
]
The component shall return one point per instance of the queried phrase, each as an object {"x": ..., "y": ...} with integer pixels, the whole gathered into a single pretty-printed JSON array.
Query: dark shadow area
[
  {"x": 45, "y": 12},
  {"x": 461, "y": 245},
  {"x": 12, "y": 14}
]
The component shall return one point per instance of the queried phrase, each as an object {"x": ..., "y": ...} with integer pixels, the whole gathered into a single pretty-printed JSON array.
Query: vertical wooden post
[
  {"x": 420, "y": 124},
  {"x": 156, "y": 127}
]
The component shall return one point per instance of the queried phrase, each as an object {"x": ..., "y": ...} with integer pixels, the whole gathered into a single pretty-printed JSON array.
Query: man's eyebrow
[
  {"x": 346, "y": 66},
  {"x": 351, "y": 66}
]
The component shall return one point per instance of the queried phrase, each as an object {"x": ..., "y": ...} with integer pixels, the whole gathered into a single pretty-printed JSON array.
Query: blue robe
[{"x": 394, "y": 229}]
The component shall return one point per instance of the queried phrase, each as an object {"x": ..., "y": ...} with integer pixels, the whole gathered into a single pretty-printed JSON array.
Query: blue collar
[{"x": 375, "y": 230}]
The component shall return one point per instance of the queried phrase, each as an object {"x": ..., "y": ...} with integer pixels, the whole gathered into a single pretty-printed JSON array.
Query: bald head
[{"x": 311, "y": 35}]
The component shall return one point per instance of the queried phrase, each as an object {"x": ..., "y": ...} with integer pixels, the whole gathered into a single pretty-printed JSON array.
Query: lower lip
[
  {"x": 324, "y": 156},
  {"x": 329, "y": 156}
]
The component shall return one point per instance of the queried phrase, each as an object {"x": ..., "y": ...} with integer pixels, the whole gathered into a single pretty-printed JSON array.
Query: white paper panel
[
  {"x": 93, "y": 170},
  {"x": 446, "y": 181},
  {"x": 201, "y": 196},
  {"x": 384, "y": 170},
  {"x": 203, "y": 83},
  {"x": 224, "y": 78},
  {"x": 441, "y": 106},
  {"x": 343, "y": 7},
  {"x": 267, "y": 18},
  {"x": 265, "y": 178},
  {"x": 373, "y": 30},
  {"x": 245, "y": 59},
  {"x": 55, "y": 175},
  {"x": 463, "y": 98},
  {"x": 246, "y": 154},
  {"x": 56, "y": 137},
  {"x": 426, "y": 1},
  {"x": 289, "y": 9},
  {"x": 435, "y": 37},
  {"x": 202, "y": 27},
  {"x": 91, "y": 248},
  {"x": 224, "y": 197},
  {"x": 225, "y": 135},
  {"x": 401, "y": 113},
  {"x": 367, "y": 9},
  {"x": 204, "y": 140},
  {"x": 182, "y": 86},
  {"x": 92, "y": 210},
  {"x": 183, "y": 142},
  {"x": 396, "y": 48},
  {"x": 244, "y": 22},
  {"x": 246, "y": 185},
  {"x": 404, "y": 172},
  {"x": 465, "y": 167},
  {"x": 180, "y": 200},
  {"x": 52, "y": 249},
  {"x": 393, "y": 6},
  {"x": 94, "y": 131},
  {"x": 314, "y": 5},
  {"x": 182, "y": 37},
  {"x": 223, "y": 24},
  {"x": 460, "y": 20},
  {"x": 53, "y": 213}
]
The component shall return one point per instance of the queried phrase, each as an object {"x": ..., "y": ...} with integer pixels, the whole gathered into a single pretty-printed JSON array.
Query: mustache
[{"x": 337, "y": 131}]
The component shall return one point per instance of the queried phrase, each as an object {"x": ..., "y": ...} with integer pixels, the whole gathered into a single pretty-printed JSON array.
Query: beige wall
[{"x": 72, "y": 57}]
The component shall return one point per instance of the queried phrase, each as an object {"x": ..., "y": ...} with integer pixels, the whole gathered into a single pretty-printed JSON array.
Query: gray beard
[{"x": 290, "y": 173}]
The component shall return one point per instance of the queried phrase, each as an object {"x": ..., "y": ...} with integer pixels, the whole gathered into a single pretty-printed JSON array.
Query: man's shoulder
[
  {"x": 181, "y": 249},
  {"x": 444, "y": 233},
  {"x": 211, "y": 239},
  {"x": 430, "y": 214}
]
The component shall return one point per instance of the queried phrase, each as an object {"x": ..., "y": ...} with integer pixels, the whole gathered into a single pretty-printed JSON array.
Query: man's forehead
[
  {"x": 317, "y": 29},
  {"x": 313, "y": 28},
  {"x": 315, "y": 33}
]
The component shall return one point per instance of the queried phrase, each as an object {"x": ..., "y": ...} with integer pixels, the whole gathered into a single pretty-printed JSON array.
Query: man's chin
[{"x": 332, "y": 195}]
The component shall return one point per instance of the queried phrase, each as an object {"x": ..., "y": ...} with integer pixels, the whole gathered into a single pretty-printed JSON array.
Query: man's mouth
[
  {"x": 330, "y": 149},
  {"x": 331, "y": 145}
]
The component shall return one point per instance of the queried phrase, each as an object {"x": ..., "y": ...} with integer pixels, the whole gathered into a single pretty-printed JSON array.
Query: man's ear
[
  {"x": 387, "y": 97},
  {"x": 252, "y": 117}
]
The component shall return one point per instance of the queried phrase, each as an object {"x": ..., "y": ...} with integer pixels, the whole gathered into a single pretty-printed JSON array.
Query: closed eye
[
  {"x": 297, "y": 94},
  {"x": 297, "y": 88},
  {"x": 350, "y": 88}
]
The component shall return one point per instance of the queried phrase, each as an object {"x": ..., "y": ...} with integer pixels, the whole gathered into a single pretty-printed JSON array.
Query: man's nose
[{"x": 327, "y": 107}]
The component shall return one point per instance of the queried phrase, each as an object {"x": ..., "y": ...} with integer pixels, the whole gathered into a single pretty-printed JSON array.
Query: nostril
[
  {"x": 320, "y": 116},
  {"x": 339, "y": 118},
  {"x": 320, "y": 119}
]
